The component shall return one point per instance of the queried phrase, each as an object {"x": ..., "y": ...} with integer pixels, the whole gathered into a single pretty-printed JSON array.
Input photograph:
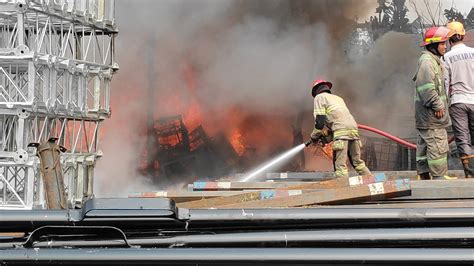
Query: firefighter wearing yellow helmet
[{"x": 459, "y": 81}]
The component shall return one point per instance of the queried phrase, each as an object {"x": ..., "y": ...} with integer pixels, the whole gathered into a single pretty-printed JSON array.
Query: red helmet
[
  {"x": 436, "y": 35},
  {"x": 319, "y": 82}
]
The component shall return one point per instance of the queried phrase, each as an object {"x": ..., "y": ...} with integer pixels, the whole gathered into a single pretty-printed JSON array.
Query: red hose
[{"x": 385, "y": 134}]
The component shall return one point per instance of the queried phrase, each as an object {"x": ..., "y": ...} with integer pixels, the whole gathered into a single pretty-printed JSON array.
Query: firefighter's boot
[
  {"x": 425, "y": 176},
  {"x": 468, "y": 165},
  {"x": 445, "y": 177}
]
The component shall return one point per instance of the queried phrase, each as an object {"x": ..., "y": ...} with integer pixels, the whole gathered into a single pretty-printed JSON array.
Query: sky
[{"x": 464, "y": 6}]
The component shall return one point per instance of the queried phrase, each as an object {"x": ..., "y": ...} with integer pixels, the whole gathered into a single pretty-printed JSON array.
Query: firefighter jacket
[
  {"x": 338, "y": 117},
  {"x": 430, "y": 94}
]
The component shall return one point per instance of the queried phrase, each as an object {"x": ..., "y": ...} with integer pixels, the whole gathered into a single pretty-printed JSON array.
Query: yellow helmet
[{"x": 457, "y": 27}]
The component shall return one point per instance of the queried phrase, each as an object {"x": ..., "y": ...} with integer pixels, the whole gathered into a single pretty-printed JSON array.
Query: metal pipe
[
  {"x": 23, "y": 221},
  {"x": 222, "y": 219},
  {"x": 287, "y": 238},
  {"x": 248, "y": 218},
  {"x": 326, "y": 214},
  {"x": 402, "y": 237},
  {"x": 243, "y": 255},
  {"x": 52, "y": 173},
  {"x": 19, "y": 221}
]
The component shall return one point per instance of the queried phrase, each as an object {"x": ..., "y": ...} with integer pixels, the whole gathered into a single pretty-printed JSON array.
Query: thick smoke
[
  {"x": 378, "y": 87},
  {"x": 209, "y": 59}
]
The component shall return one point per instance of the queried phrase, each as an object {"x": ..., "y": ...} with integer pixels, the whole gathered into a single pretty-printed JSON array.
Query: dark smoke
[{"x": 256, "y": 56}]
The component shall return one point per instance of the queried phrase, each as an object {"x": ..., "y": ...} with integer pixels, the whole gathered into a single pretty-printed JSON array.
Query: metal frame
[{"x": 56, "y": 66}]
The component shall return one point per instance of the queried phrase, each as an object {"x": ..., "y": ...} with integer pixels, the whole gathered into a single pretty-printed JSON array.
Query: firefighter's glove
[{"x": 325, "y": 131}]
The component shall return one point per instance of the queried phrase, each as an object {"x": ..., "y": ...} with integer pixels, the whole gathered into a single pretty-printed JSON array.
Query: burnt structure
[{"x": 182, "y": 154}]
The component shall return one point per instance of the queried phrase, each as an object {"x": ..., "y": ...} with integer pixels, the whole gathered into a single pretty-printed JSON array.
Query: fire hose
[
  {"x": 391, "y": 137},
  {"x": 387, "y": 135}
]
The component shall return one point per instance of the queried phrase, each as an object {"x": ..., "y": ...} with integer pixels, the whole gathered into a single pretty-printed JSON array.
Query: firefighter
[
  {"x": 459, "y": 83},
  {"x": 333, "y": 120},
  {"x": 431, "y": 104}
]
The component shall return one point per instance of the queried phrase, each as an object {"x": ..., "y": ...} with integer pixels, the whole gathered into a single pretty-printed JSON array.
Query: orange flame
[
  {"x": 193, "y": 115},
  {"x": 236, "y": 140},
  {"x": 327, "y": 150}
]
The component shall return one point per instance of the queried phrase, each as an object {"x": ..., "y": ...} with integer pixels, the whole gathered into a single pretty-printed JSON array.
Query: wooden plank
[
  {"x": 443, "y": 183},
  {"x": 220, "y": 186},
  {"x": 288, "y": 184},
  {"x": 319, "y": 176},
  {"x": 407, "y": 204},
  {"x": 426, "y": 189},
  {"x": 283, "y": 192},
  {"x": 241, "y": 198},
  {"x": 341, "y": 182},
  {"x": 442, "y": 189},
  {"x": 375, "y": 191},
  {"x": 211, "y": 202},
  {"x": 420, "y": 190},
  {"x": 183, "y": 196},
  {"x": 11, "y": 234},
  {"x": 334, "y": 183}
]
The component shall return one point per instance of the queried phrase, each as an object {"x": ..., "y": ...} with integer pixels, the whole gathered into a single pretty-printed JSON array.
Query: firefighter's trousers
[
  {"x": 348, "y": 149},
  {"x": 432, "y": 152},
  {"x": 462, "y": 116}
]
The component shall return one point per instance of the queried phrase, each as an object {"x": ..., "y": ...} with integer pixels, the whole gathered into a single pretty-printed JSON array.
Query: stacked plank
[
  {"x": 236, "y": 195},
  {"x": 319, "y": 176}
]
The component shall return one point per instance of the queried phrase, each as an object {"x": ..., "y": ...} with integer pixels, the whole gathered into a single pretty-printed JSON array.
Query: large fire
[
  {"x": 252, "y": 135},
  {"x": 264, "y": 134}
]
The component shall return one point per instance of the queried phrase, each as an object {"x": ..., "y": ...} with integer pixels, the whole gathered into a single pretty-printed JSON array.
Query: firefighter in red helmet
[
  {"x": 333, "y": 120},
  {"x": 431, "y": 106}
]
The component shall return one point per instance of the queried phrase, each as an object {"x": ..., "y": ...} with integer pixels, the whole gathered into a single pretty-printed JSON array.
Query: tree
[
  {"x": 381, "y": 8},
  {"x": 453, "y": 14},
  {"x": 392, "y": 16},
  {"x": 399, "y": 17}
]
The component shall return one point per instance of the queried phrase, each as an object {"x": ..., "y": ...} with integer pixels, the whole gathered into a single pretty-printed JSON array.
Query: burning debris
[{"x": 178, "y": 153}]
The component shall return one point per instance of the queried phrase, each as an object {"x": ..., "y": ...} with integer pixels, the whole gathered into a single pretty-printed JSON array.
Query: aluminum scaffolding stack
[{"x": 56, "y": 65}]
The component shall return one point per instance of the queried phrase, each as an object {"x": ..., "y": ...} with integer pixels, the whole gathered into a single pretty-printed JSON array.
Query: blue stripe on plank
[
  {"x": 380, "y": 177},
  {"x": 199, "y": 185},
  {"x": 267, "y": 194}
]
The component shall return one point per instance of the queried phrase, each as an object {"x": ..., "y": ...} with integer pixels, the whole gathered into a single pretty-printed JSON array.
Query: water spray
[{"x": 281, "y": 158}]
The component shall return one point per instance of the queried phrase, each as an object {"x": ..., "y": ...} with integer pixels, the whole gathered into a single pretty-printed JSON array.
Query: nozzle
[{"x": 308, "y": 142}]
